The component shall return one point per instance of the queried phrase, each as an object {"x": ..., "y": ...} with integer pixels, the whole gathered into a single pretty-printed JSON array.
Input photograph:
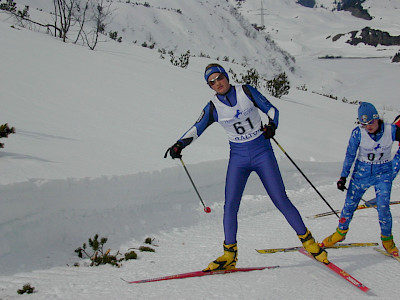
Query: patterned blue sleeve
[
  {"x": 394, "y": 129},
  {"x": 206, "y": 118},
  {"x": 396, "y": 158},
  {"x": 396, "y": 164},
  {"x": 351, "y": 152},
  {"x": 264, "y": 105}
]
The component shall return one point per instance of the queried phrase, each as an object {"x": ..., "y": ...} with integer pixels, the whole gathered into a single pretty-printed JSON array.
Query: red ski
[
  {"x": 201, "y": 273},
  {"x": 340, "y": 272}
]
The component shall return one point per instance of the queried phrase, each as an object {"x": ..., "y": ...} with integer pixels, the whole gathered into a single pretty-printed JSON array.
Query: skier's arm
[
  {"x": 396, "y": 158},
  {"x": 395, "y": 133},
  {"x": 396, "y": 164},
  {"x": 261, "y": 102},
  {"x": 206, "y": 118},
  {"x": 351, "y": 151}
]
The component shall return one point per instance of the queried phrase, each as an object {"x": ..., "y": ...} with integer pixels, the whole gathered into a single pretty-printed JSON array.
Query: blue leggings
[
  {"x": 364, "y": 176},
  {"x": 258, "y": 156}
]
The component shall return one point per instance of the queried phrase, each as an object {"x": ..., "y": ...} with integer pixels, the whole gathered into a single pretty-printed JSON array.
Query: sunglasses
[
  {"x": 214, "y": 81},
  {"x": 367, "y": 123}
]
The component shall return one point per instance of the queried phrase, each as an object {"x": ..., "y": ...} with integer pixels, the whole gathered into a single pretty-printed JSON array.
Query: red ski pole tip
[{"x": 207, "y": 209}]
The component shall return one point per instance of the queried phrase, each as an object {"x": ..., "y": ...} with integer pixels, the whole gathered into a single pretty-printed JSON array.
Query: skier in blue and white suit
[
  {"x": 236, "y": 108},
  {"x": 373, "y": 141}
]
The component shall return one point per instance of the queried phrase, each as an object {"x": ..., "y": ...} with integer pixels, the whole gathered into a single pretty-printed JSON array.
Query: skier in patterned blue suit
[
  {"x": 373, "y": 140},
  {"x": 236, "y": 108}
]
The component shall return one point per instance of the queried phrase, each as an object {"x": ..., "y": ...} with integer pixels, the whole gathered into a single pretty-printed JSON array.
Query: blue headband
[{"x": 215, "y": 69}]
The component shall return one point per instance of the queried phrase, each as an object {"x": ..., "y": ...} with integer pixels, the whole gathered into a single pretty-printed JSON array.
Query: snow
[{"x": 93, "y": 127}]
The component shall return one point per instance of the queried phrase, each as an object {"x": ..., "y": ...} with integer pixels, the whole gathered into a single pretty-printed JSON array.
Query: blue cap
[
  {"x": 215, "y": 69},
  {"x": 367, "y": 112}
]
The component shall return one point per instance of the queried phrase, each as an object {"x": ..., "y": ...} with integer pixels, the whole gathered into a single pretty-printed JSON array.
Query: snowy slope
[
  {"x": 307, "y": 34},
  {"x": 92, "y": 129}
]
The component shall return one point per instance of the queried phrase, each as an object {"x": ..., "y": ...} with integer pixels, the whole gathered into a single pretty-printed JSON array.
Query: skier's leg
[
  {"x": 383, "y": 191},
  {"x": 356, "y": 190},
  {"x": 268, "y": 171},
  {"x": 236, "y": 178}
]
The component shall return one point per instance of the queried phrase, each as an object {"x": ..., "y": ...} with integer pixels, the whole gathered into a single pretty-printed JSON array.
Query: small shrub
[
  {"x": 5, "y": 130},
  {"x": 148, "y": 240},
  {"x": 113, "y": 35},
  {"x": 146, "y": 249},
  {"x": 204, "y": 55},
  {"x": 27, "y": 288},
  {"x": 251, "y": 77},
  {"x": 396, "y": 58},
  {"x": 10, "y": 6},
  {"x": 130, "y": 255},
  {"x": 98, "y": 256},
  {"x": 302, "y": 87},
  {"x": 182, "y": 61},
  {"x": 278, "y": 86}
]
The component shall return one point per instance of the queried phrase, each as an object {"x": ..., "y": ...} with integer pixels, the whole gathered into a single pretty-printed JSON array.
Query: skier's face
[
  {"x": 219, "y": 83},
  {"x": 372, "y": 126}
]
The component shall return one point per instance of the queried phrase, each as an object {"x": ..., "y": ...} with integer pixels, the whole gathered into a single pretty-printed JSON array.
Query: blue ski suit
[
  {"x": 256, "y": 155},
  {"x": 376, "y": 173}
]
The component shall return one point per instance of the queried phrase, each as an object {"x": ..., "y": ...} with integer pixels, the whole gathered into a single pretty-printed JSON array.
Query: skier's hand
[
  {"x": 175, "y": 150},
  {"x": 269, "y": 130},
  {"x": 341, "y": 184}
]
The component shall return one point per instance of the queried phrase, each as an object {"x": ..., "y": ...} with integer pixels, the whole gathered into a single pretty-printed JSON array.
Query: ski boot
[
  {"x": 338, "y": 236},
  {"x": 226, "y": 261},
  {"x": 313, "y": 247},
  {"x": 389, "y": 245}
]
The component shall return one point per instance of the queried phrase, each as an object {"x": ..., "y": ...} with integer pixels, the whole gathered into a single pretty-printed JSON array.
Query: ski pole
[
  {"x": 206, "y": 208},
  {"x": 287, "y": 155}
]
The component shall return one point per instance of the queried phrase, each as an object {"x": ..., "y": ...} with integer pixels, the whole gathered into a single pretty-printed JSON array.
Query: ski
[
  {"x": 200, "y": 273},
  {"x": 387, "y": 254},
  {"x": 337, "y": 246},
  {"x": 371, "y": 203},
  {"x": 339, "y": 271}
]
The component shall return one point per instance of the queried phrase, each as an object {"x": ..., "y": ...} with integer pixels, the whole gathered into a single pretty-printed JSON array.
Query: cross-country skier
[
  {"x": 236, "y": 109},
  {"x": 373, "y": 140}
]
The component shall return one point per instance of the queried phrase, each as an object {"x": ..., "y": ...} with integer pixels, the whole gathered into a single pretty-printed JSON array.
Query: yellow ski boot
[
  {"x": 313, "y": 247},
  {"x": 338, "y": 236},
  {"x": 226, "y": 261},
  {"x": 389, "y": 245}
]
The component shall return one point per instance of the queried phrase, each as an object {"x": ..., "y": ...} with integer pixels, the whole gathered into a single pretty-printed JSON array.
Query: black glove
[
  {"x": 175, "y": 150},
  {"x": 269, "y": 130},
  {"x": 341, "y": 184}
]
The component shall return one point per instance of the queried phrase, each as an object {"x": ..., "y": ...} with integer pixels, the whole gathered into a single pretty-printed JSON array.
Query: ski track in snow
[{"x": 200, "y": 241}]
